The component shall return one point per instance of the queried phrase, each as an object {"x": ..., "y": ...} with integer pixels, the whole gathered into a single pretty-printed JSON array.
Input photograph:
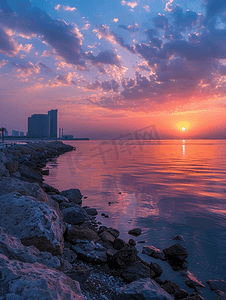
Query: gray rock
[
  {"x": 3, "y": 158},
  {"x": 113, "y": 232},
  {"x": 142, "y": 289},
  {"x": 190, "y": 279},
  {"x": 91, "y": 211},
  {"x": 135, "y": 231},
  {"x": 135, "y": 272},
  {"x": 59, "y": 198},
  {"x": 24, "y": 281},
  {"x": 217, "y": 285},
  {"x": 30, "y": 174},
  {"x": 153, "y": 252},
  {"x": 13, "y": 248},
  {"x": 35, "y": 223},
  {"x": 75, "y": 215},
  {"x": 3, "y": 170},
  {"x": 69, "y": 255},
  {"x": 73, "y": 195},
  {"x": 10, "y": 185},
  {"x": 124, "y": 258},
  {"x": 88, "y": 251},
  {"x": 75, "y": 233},
  {"x": 107, "y": 237},
  {"x": 176, "y": 252}
]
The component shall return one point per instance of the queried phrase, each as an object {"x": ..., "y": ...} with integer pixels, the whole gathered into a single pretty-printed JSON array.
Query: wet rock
[
  {"x": 9, "y": 185},
  {"x": 11, "y": 166},
  {"x": 180, "y": 294},
  {"x": 191, "y": 280},
  {"x": 176, "y": 252},
  {"x": 73, "y": 195},
  {"x": 135, "y": 231},
  {"x": 217, "y": 285},
  {"x": 178, "y": 238},
  {"x": 91, "y": 211},
  {"x": 113, "y": 232},
  {"x": 124, "y": 258},
  {"x": 107, "y": 237},
  {"x": 48, "y": 188},
  {"x": 75, "y": 215},
  {"x": 21, "y": 281},
  {"x": 30, "y": 174},
  {"x": 158, "y": 280},
  {"x": 59, "y": 198},
  {"x": 142, "y": 289},
  {"x": 75, "y": 233},
  {"x": 13, "y": 248},
  {"x": 34, "y": 223},
  {"x": 119, "y": 244},
  {"x": 135, "y": 272},
  {"x": 156, "y": 268},
  {"x": 88, "y": 251},
  {"x": 171, "y": 287},
  {"x": 45, "y": 172},
  {"x": 131, "y": 242},
  {"x": 153, "y": 252}
]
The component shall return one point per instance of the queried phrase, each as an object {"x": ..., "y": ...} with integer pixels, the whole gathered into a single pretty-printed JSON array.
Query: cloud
[
  {"x": 8, "y": 45},
  {"x": 115, "y": 20},
  {"x": 65, "y": 7},
  {"x": 106, "y": 85},
  {"x": 66, "y": 79},
  {"x": 130, "y": 4},
  {"x": 3, "y": 63},
  {"x": 147, "y": 8},
  {"x": 27, "y": 69},
  {"x": 104, "y": 57},
  {"x": 214, "y": 7}
]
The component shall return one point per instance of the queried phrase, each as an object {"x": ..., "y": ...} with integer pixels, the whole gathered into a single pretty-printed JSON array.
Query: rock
[
  {"x": 75, "y": 215},
  {"x": 217, "y": 285},
  {"x": 24, "y": 158},
  {"x": 113, "y": 232},
  {"x": 13, "y": 248},
  {"x": 49, "y": 188},
  {"x": 171, "y": 287},
  {"x": 69, "y": 255},
  {"x": 153, "y": 252},
  {"x": 124, "y": 258},
  {"x": 91, "y": 211},
  {"x": 178, "y": 238},
  {"x": 88, "y": 251},
  {"x": 156, "y": 268},
  {"x": 73, "y": 195},
  {"x": 45, "y": 172},
  {"x": 79, "y": 273},
  {"x": 3, "y": 170},
  {"x": 11, "y": 166},
  {"x": 190, "y": 279},
  {"x": 142, "y": 289},
  {"x": 135, "y": 231},
  {"x": 59, "y": 198},
  {"x": 176, "y": 252},
  {"x": 75, "y": 233},
  {"x": 158, "y": 280},
  {"x": 10, "y": 185},
  {"x": 180, "y": 294},
  {"x": 3, "y": 158},
  {"x": 34, "y": 223},
  {"x": 20, "y": 281},
  {"x": 30, "y": 164},
  {"x": 16, "y": 175},
  {"x": 194, "y": 297},
  {"x": 119, "y": 244},
  {"x": 221, "y": 296},
  {"x": 135, "y": 272},
  {"x": 131, "y": 242},
  {"x": 30, "y": 174},
  {"x": 107, "y": 237}
]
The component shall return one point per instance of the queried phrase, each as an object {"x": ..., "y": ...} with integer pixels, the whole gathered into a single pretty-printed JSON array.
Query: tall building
[
  {"x": 53, "y": 123},
  {"x": 15, "y": 133},
  {"x": 39, "y": 126},
  {"x": 21, "y": 133}
]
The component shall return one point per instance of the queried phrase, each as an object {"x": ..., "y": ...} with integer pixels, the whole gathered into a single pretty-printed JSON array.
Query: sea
[{"x": 166, "y": 188}]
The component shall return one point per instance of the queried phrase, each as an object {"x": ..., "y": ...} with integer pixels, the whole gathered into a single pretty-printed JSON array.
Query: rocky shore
[{"x": 52, "y": 247}]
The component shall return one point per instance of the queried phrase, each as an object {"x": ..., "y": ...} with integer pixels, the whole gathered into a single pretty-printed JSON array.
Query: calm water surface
[{"x": 167, "y": 189}]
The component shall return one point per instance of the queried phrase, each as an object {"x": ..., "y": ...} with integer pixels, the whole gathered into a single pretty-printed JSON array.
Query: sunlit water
[{"x": 167, "y": 189}]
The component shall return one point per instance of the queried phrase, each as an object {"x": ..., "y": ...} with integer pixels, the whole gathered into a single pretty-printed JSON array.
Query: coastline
[{"x": 71, "y": 237}]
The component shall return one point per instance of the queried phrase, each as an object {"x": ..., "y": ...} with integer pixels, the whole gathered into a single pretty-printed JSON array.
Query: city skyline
[{"x": 113, "y": 67}]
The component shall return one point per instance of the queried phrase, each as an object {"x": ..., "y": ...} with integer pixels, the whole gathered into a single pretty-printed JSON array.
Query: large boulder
[
  {"x": 73, "y": 195},
  {"x": 135, "y": 231},
  {"x": 3, "y": 158},
  {"x": 10, "y": 185},
  {"x": 25, "y": 281},
  {"x": 13, "y": 248},
  {"x": 142, "y": 289},
  {"x": 11, "y": 166},
  {"x": 30, "y": 174},
  {"x": 75, "y": 233},
  {"x": 35, "y": 223},
  {"x": 135, "y": 272},
  {"x": 75, "y": 215},
  {"x": 176, "y": 252},
  {"x": 124, "y": 258},
  {"x": 3, "y": 170},
  {"x": 153, "y": 252}
]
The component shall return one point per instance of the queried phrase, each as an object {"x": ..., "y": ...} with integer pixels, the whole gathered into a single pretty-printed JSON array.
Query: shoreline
[{"x": 72, "y": 235}]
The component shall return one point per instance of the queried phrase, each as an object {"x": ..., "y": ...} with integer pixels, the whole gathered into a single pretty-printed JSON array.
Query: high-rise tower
[{"x": 53, "y": 123}]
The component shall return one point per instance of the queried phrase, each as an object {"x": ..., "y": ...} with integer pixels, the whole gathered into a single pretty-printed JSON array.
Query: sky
[{"x": 114, "y": 67}]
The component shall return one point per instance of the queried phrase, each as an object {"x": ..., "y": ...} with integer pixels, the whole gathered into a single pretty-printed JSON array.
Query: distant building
[
  {"x": 6, "y": 133},
  {"x": 15, "y": 133},
  {"x": 53, "y": 123},
  {"x": 39, "y": 126},
  {"x": 21, "y": 133},
  {"x": 67, "y": 136}
]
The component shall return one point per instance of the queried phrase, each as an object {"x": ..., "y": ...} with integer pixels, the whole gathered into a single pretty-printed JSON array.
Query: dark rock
[
  {"x": 119, "y": 244},
  {"x": 136, "y": 271},
  {"x": 75, "y": 215},
  {"x": 142, "y": 289},
  {"x": 106, "y": 236},
  {"x": 135, "y": 231},
  {"x": 79, "y": 273},
  {"x": 176, "y": 252},
  {"x": 73, "y": 195},
  {"x": 91, "y": 211},
  {"x": 11, "y": 166},
  {"x": 69, "y": 255},
  {"x": 113, "y": 232},
  {"x": 158, "y": 280},
  {"x": 132, "y": 242},
  {"x": 102, "y": 229},
  {"x": 49, "y": 188},
  {"x": 45, "y": 172},
  {"x": 180, "y": 294},
  {"x": 171, "y": 287},
  {"x": 124, "y": 258},
  {"x": 58, "y": 198},
  {"x": 221, "y": 296},
  {"x": 191, "y": 280},
  {"x": 178, "y": 238},
  {"x": 29, "y": 173},
  {"x": 153, "y": 252},
  {"x": 194, "y": 297},
  {"x": 75, "y": 233},
  {"x": 156, "y": 268},
  {"x": 217, "y": 285},
  {"x": 30, "y": 164},
  {"x": 141, "y": 242}
]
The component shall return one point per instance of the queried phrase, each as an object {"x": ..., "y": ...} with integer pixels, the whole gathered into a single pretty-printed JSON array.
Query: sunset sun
[
  {"x": 183, "y": 125},
  {"x": 182, "y": 128}
]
